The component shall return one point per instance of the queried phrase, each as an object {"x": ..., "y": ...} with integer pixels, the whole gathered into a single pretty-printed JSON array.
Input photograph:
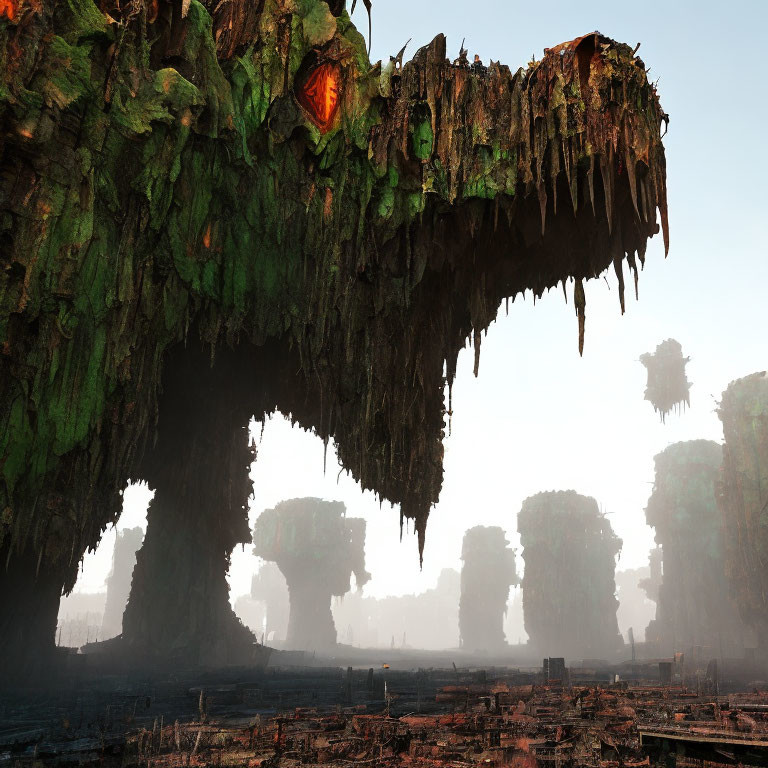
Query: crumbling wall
[
  {"x": 317, "y": 548},
  {"x": 486, "y": 576},
  {"x": 668, "y": 387},
  {"x": 743, "y": 498},
  {"x": 693, "y": 607},
  {"x": 167, "y": 181},
  {"x": 569, "y": 550},
  {"x": 127, "y": 543}
]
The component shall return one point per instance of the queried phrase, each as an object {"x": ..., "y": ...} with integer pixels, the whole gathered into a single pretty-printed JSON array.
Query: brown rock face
[
  {"x": 693, "y": 606},
  {"x": 168, "y": 205},
  {"x": 486, "y": 576},
  {"x": 569, "y": 584},
  {"x": 743, "y": 498}
]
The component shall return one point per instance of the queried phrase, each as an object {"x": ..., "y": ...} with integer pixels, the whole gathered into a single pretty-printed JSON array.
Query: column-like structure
[
  {"x": 317, "y": 548},
  {"x": 569, "y": 586},
  {"x": 268, "y": 586},
  {"x": 486, "y": 576},
  {"x": 179, "y": 611},
  {"x": 215, "y": 172},
  {"x": 693, "y": 607},
  {"x": 743, "y": 498},
  {"x": 127, "y": 543}
]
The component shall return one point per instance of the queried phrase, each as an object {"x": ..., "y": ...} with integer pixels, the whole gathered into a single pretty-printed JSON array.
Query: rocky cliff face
[
  {"x": 236, "y": 183},
  {"x": 743, "y": 498},
  {"x": 487, "y": 573},
  {"x": 569, "y": 584},
  {"x": 127, "y": 543},
  {"x": 317, "y": 548},
  {"x": 693, "y": 606}
]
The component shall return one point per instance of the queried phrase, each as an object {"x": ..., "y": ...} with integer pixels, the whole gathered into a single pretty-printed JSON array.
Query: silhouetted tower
[
  {"x": 269, "y": 587},
  {"x": 668, "y": 387},
  {"x": 317, "y": 548},
  {"x": 486, "y": 576},
  {"x": 693, "y": 605},
  {"x": 119, "y": 580},
  {"x": 743, "y": 498},
  {"x": 569, "y": 585}
]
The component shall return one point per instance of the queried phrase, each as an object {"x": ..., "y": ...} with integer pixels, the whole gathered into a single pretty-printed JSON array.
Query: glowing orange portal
[
  {"x": 320, "y": 95},
  {"x": 8, "y": 8}
]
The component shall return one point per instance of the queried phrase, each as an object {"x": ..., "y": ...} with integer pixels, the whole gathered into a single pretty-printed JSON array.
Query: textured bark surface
[
  {"x": 693, "y": 606},
  {"x": 569, "y": 583},
  {"x": 743, "y": 497},
  {"x": 162, "y": 186},
  {"x": 486, "y": 576},
  {"x": 668, "y": 387},
  {"x": 317, "y": 548},
  {"x": 179, "y": 606}
]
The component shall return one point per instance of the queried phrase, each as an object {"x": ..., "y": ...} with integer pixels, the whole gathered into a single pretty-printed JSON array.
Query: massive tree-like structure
[
  {"x": 569, "y": 585},
  {"x": 668, "y": 387},
  {"x": 693, "y": 607},
  {"x": 317, "y": 548},
  {"x": 486, "y": 576},
  {"x": 743, "y": 498},
  {"x": 213, "y": 210}
]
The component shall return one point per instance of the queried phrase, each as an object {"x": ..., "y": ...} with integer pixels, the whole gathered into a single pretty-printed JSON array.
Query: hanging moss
[
  {"x": 743, "y": 497},
  {"x": 693, "y": 606},
  {"x": 569, "y": 584},
  {"x": 668, "y": 387},
  {"x": 161, "y": 183}
]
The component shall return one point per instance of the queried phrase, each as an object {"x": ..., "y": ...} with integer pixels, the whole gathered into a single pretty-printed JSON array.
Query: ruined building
[
  {"x": 119, "y": 580},
  {"x": 569, "y": 550},
  {"x": 317, "y": 548},
  {"x": 210, "y": 212},
  {"x": 668, "y": 387},
  {"x": 486, "y": 576},
  {"x": 743, "y": 499},
  {"x": 693, "y": 607}
]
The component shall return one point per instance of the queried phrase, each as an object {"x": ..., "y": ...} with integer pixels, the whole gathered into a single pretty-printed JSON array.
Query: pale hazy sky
[{"x": 539, "y": 417}]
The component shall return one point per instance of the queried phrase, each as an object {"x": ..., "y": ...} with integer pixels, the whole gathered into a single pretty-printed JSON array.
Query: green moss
[
  {"x": 195, "y": 197},
  {"x": 423, "y": 140}
]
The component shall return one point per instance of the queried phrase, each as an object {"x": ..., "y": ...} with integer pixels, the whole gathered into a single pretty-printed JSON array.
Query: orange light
[
  {"x": 8, "y": 9},
  {"x": 320, "y": 95}
]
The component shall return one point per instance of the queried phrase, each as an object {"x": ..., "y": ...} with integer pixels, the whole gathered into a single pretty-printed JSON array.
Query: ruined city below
[{"x": 650, "y": 713}]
